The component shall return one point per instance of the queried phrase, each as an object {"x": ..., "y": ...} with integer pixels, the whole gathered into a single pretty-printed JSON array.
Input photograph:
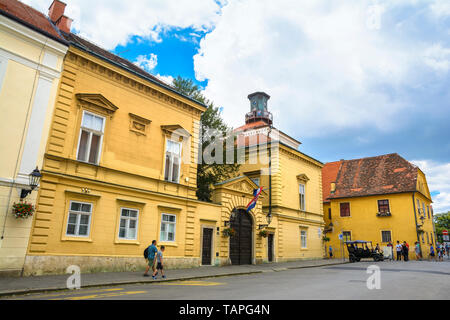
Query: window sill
[
  {"x": 129, "y": 242},
  {"x": 76, "y": 239},
  {"x": 167, "y": 244}
]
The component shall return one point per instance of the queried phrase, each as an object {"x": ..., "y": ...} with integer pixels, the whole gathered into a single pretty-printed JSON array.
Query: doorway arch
[{"x": 241, "y": 244}]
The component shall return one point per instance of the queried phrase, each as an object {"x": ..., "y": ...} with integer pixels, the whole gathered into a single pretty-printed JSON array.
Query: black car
[{"x": 358, "y": 250}]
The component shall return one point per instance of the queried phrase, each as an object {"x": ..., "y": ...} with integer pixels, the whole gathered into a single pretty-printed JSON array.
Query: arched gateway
[{"x": 241, "y": 248}]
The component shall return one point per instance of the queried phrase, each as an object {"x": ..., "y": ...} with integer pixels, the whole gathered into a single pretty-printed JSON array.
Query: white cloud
[
  {"x": 326, "y": 64},
  {"x": 438, "y": 177},
  {"x": 166, "y": 79},
  {"x": 147, "y": 62},
  {"x": 113, "y": 22},
  {"x": 438, "y": 57}
]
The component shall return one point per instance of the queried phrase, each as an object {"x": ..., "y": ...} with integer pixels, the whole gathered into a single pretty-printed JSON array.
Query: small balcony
[
  {"x": 257, "y": 115},
  {"x": 384, "y": 214}
]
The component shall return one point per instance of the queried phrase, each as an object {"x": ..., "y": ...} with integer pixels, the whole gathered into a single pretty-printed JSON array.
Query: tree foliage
[
  {"x": 442, "y": 222},
  {"x": 207, "y": 174}
]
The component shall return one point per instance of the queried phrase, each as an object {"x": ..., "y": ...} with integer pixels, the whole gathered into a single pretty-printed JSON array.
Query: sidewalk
[{"x": 11, "y": 286}]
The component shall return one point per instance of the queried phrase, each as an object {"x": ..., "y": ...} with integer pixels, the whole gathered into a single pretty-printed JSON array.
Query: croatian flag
[{"x": 256, "y": 194}]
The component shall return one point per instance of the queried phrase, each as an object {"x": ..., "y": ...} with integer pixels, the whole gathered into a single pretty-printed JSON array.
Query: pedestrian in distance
[
  {"x": 330, "y": 250},
  {"x": 440, "y": 253},
  {"x": 447, "y": 249},
  {"x": 405, "y": 251},
  {"x": 377, "y": 248},
  {"x": 159, "y": 264},
  {"x": 432, "y": 253},
  {"x": 399, "y": 249},
  {"x": 391, "y": 251},
  {"x": 417, "y": 251},
  {"x": 151, "y": 252}
]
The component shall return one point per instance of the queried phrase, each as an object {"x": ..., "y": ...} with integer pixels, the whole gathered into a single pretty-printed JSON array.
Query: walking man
[
  {"x": 417, "y": 251},
  {"x": 331, "y": 252},
  {"x": 432, "y": 254},
  {"x": 152, "y": 250},
  {"x": 399, "y": 251}
]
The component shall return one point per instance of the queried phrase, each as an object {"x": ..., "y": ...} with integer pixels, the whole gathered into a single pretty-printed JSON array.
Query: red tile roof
[
  {"x": 329, "y": 175},
  {"x": 253, "y": 125},
  {"x": 30, "y": 17},
  {"x": 385, "y": 174}
]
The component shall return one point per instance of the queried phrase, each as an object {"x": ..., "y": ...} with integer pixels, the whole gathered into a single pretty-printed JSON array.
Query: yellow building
[
  {"x": 31, "y": 57},
  {"x": 120, "y": 171},
  {"x": 297, "y": 226},
  {"x": 380, "y": 199}
]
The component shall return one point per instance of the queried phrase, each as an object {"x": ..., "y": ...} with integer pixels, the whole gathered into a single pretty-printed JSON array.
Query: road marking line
[
  {"x": 68, "y": 293},
  {"x": 191, "y": 283},
  {"x": 104, "y": 295}
]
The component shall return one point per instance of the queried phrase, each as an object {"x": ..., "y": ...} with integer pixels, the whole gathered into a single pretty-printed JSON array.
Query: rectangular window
[
  {"x": 345, "y": 209},
  {"x": 302, "y": 197},
  {"x": 91, "y": 137},
  {"x": 428, "y": 239},
  {"x": 168, "y": 223},
  {"x": 418, "y": 206},
  {"x": 128, "y": 224},
  {"x": 304, "y": 238},
  {"x": 329, "y": 214},
  {"x": 428, "y": 212},
  {"x": 347, "y": 235},
  {"x": 173, "y": 161},
  {"x": 423, "y": 209},
  {"x": 383, "y": 206},
  {"x": 386, "y": 236},
  {"x": 79, "y": 220},
  {"x": 432, "y": 238}
]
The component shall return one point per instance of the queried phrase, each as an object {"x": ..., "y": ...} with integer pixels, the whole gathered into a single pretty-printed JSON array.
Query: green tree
[
  {"x": 208, "y": 174},
  {"x": 442, "y": 222}
]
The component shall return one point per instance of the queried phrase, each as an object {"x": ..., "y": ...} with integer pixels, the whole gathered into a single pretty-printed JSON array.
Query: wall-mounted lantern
[{"x": 34, "y": 178}]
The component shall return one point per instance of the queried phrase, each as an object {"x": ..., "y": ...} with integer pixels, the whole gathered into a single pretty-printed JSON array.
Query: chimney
[
  {"x": 56, "y": 15},
  {"x": 56, "y": 10}
]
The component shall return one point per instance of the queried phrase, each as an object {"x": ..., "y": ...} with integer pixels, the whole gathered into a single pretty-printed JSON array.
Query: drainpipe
[{"x": 415, "y": 219}]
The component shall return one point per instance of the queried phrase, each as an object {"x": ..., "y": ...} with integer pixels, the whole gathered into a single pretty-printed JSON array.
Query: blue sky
[
  {"x": 174, "y": 53},
  {"x": 349, "y": 79}
]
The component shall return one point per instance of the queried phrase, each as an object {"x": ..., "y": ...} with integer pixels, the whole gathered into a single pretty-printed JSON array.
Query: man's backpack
[{"x": 146, "y": 253}]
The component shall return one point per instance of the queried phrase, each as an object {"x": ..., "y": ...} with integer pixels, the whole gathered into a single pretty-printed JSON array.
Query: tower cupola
[{"x": 258, "y": 108}]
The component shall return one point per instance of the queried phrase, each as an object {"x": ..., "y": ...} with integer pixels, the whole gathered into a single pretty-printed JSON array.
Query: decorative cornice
[
  {"x": 175, "y": 129},
  {"x": 98, "y": 101},
  {"x": 130, "y": 82}
]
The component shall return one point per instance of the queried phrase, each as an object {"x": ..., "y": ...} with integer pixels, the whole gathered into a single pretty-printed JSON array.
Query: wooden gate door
[
  {"x": 207, "y": 246},
  {"x": 241, "y": 242}
]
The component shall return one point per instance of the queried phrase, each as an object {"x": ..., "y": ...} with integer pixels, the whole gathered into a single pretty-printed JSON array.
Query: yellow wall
[
  {"x": 289, "y": 220},
  {"x": 22, "y": 53},
  {"x": 365, "y": 225}
]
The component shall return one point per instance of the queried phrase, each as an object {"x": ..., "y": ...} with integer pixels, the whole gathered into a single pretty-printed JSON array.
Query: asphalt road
[{"x": 398, "y": 280}]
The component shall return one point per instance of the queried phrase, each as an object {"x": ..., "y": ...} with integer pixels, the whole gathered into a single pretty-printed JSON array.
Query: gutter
[{"x": 415, "y": 219}]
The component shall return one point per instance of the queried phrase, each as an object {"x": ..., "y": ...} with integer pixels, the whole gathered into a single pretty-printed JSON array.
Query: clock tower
[{"x": 258, "y": 108}]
